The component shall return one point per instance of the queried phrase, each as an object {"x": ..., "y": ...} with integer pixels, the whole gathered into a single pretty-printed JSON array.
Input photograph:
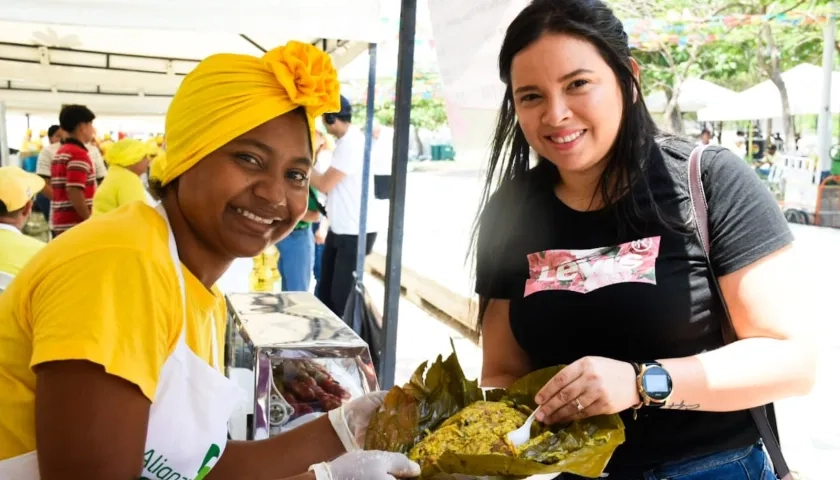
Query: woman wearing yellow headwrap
[
  {"x": 113, "y": 332},
  {"x": 127, "y": 160}
]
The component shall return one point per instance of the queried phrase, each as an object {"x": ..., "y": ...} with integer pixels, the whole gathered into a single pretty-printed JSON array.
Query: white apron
[{"x": 187, "y": 421}]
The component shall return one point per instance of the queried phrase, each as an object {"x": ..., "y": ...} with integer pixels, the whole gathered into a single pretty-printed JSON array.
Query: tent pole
[
  {"x": 363, "y": 214},
  {"x": 4, "y": 137},
  {"x": 399, "y": 171},
  {"x": 824, "y": 126}
]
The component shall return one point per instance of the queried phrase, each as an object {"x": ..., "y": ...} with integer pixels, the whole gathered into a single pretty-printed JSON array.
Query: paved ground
[{"x": 440, "y": 208}]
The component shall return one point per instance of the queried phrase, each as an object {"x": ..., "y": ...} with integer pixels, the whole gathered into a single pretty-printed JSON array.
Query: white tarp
[
  {"x": 695, "y": 93},
  {"x": 128, "y": 58},
  {"x": 358, "y": 20},
  {"x": 468, "y": 36},
  {"x": 762, "y": 101}
]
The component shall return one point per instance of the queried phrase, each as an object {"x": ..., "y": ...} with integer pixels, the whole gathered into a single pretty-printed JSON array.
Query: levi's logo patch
[{"x": 583, "y": 271}]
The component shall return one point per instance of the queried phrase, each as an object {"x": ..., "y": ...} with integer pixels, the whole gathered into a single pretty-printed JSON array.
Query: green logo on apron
[
  {"x": 157, "y": 466},
  {"x": 212, "y": 453}
]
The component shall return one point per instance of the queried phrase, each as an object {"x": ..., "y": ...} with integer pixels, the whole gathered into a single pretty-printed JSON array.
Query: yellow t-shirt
[
  {"x": 16, "y": 249},
  {"x": 120, "y": 187},
  {"x": 105, "y": 291}
]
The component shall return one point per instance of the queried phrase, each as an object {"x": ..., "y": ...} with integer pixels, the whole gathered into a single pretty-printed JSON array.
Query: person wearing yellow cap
[
  {"x": 17, "y": 192},
  {"x": 127, "y": 160},
  {"x": 112, "y": 335}
]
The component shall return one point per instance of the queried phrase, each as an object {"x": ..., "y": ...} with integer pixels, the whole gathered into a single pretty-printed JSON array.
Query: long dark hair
[{"x": 510, "y": 161}]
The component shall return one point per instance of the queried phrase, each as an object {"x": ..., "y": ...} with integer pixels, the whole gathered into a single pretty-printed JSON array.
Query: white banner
[{"x": 468, "y": 36}]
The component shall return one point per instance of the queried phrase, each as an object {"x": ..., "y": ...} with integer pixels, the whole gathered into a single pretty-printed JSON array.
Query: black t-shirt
[{"x": 588, "y": 283}]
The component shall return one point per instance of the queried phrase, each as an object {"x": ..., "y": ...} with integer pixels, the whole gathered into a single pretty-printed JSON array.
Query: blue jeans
[
  {"x": 749, "y": 463},
  {"x": 297, "y": 254},
  {"x": 319, "y": 254},
  {"x": 43, "y": 204}
]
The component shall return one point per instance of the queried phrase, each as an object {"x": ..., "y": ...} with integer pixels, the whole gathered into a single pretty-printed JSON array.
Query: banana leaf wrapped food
[{"x": 454, "y": 430}]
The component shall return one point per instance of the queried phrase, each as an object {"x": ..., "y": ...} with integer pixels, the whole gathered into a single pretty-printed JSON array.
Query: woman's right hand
[{"x": 369, "y": 465}]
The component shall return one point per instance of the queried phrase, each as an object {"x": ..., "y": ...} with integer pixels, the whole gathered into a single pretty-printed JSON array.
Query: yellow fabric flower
[{"x": 228, "y": 95}]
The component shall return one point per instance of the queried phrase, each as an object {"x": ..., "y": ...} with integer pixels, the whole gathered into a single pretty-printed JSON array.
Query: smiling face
[
  {"x": 568, "y": 102},
  {"x": 251, "y": 192}
]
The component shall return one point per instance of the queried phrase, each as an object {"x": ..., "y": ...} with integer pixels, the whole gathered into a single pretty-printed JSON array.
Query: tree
[
  {"x": 744, "y": 55},
  {"x": 665, "y": 66},
  {"x": 771, "y": 47},
  {"x": 429, "y": 113}
]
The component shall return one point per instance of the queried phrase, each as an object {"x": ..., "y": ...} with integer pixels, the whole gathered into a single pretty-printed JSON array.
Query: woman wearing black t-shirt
[{"x": 590, "y": 259}]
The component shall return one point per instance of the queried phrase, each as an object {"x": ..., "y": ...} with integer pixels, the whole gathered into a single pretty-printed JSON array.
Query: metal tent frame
[{"x": 399, "y": 171}]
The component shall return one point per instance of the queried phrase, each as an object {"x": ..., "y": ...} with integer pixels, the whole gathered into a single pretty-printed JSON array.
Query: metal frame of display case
[{"x": 266, "y": 327}]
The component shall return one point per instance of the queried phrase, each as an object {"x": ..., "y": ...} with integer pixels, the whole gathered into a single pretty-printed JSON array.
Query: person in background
[
  {"x": 771, "y": 155},
  {"x": 96, "y": 158},
  {"x": 72, "y": 174},
  {"x": 765, "y": 163},
  {"x": 128, "y": 160},
  {"x": 112, "y": 337},
  {"x": 342, "y": 183},
  {"x": 590, "y": 259},
  {"x": 55, "y": 134},
  {"x": 705, "y": 137},
  {"x": 42, "y": 201},
  {"x": 297, "y": 250},
  {"x": 156, "y": 171},
  {"x": 323, "y": 158},
  {"x": 17, "y": 191}
]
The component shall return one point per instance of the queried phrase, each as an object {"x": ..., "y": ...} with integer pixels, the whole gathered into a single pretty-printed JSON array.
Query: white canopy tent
[
  {"x": 762, "y": 101},
  {"x": 124, "y": 57},
  {"x": 695, "y": 93}
]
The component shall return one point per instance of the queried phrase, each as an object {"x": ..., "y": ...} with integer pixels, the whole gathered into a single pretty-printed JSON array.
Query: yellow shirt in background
[
  {"x": 120, "y": 187},
  {"x": 16, "y": 249},
  {"x": 105, "y": 291}
]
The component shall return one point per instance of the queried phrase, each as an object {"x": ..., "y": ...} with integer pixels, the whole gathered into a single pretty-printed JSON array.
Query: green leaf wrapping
[{"x": 410, "y": 412}]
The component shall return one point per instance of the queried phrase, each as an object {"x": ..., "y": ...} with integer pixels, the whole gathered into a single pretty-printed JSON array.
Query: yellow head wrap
[
  {"x": 228, "y": 95},
  {"x": 127, "y": 152}
]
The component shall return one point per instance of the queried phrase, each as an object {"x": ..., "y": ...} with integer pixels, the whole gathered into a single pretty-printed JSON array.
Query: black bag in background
[
  {"x": 382, "y": 187},
  {"x": 363, "y": 317}
]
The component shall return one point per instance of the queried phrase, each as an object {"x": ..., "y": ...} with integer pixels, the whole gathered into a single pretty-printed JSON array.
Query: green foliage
[
  {"x": 425, "y": 113},
  {"x": 739, "y": 58}
]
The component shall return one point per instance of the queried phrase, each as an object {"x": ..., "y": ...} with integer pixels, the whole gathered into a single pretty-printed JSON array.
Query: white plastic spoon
[{"x": 521, "y": 435}]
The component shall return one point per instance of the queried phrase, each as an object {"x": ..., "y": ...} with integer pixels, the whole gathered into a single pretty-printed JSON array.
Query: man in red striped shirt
[{"x": 72, "y": 174}]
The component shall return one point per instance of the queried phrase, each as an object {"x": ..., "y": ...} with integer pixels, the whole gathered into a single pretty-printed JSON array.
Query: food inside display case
[{"x": 301, "y": 387}]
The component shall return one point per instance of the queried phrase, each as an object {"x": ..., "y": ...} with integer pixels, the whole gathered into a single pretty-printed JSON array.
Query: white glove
[
  {"x": 367, "y": 465},
  {"x": 350, "y": 421}
]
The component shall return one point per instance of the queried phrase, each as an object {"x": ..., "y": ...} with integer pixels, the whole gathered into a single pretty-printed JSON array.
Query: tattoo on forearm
[{"x": 682, "y": 406}]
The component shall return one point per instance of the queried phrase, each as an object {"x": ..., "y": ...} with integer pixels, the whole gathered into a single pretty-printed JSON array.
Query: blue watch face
[{"x": 657, "y": 383}]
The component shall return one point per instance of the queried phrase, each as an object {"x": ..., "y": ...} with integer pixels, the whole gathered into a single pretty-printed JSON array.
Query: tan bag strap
[{"x": 700, "y": 211}]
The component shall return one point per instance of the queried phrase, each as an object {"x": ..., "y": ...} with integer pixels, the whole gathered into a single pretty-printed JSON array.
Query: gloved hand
[
  {"x": 350, "y": 421},
  {"x": 367, "y": 465}
]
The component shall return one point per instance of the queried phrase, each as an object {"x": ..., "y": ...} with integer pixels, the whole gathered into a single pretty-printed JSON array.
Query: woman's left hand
[{"x": 588, "y": 387}]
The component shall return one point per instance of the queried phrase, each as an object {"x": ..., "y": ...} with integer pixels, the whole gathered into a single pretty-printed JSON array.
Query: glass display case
[{"x": 295, "y": 358}]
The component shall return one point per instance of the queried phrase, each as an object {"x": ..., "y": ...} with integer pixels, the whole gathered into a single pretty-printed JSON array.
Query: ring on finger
[{"x": 578, "y": 405}]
